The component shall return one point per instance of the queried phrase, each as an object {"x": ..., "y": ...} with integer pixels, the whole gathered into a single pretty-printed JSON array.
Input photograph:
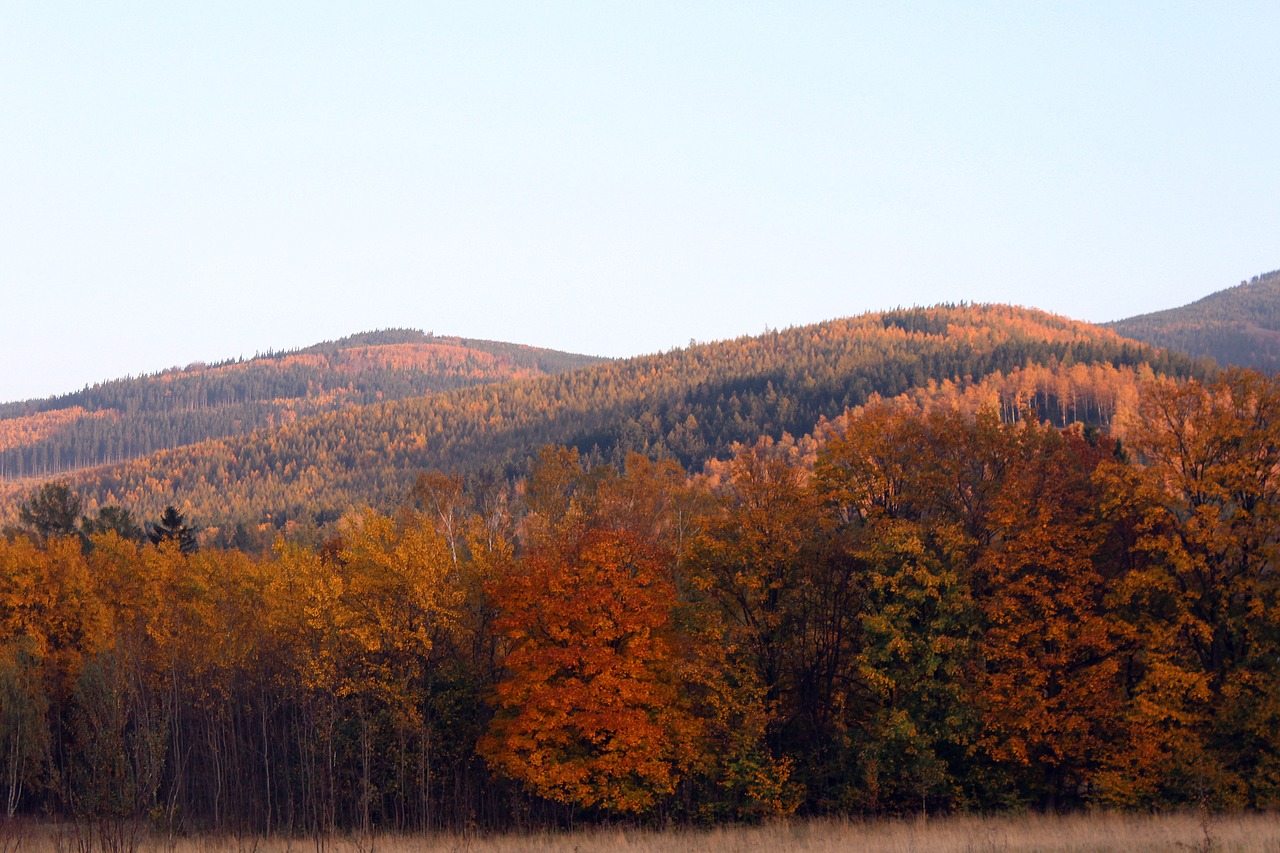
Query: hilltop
[
  {"x": 1237, "y": 326},
  {"x": 689, "y": 404},
  {"x": 129, "y": 418}
]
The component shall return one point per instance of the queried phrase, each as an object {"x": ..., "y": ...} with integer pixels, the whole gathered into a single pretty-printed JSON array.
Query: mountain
[
  {"x": 689, "y": 404},
  {"x": 129, "y": 418},
  {"x": 1237, "y": 326}
]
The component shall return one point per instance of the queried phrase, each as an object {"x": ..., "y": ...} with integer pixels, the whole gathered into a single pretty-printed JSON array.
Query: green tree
[
  {"x": 114, "y": 519},
  {"x": 54, "y": 510},
  {"x": 173, "y": 527}
]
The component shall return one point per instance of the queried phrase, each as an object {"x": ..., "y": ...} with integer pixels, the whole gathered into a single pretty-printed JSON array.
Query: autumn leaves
[
  {"x": 929, "y": 609},
  {"x": 923, "y": 607}
]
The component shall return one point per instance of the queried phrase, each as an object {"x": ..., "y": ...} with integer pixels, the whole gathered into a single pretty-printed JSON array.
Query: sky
[{"x": 193, "y": 181}]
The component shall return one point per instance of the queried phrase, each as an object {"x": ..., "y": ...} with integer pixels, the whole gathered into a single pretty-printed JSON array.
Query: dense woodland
[
  {"x": 1010, "y": 561},
  {"x": 1239, "y": 326},
  {"x": 690, "y": 405},
  {"x": 130, "y": 418},
  {"x": 920, "y": 606}
]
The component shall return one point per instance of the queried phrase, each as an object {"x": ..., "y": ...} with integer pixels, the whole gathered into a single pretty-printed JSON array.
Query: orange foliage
[
  {"x": 1051, "y": 686},
  {"x": 590, "y": 710}
]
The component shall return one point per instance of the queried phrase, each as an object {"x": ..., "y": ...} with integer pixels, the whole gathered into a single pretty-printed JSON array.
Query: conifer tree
[{"x": 173, "y": 527}]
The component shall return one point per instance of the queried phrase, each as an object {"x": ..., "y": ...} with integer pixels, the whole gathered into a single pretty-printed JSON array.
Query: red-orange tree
[
  {"x": 1050, "y": 682},
  {"x": 590, "y": 711}
]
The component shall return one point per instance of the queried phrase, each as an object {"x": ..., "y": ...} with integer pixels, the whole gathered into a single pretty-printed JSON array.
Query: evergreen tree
[
  {"x": 114, "y": 519},
  {"x": 173, "y": 526},
  {"x": 54, "y": 510}
]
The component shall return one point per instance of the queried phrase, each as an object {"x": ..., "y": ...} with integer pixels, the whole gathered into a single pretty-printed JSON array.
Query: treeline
[
  {"x": 1238, "y": 326},
  {"x": 919, "y": 608},
  {"x": 690, "y": 404},
  {"x": 129, "y": 418}
]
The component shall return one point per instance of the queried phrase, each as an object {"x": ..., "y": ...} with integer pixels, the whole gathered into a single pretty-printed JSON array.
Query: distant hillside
[
  {"x": 690, "y": 404},
  {"x": 129, "y": 418},
  {"x": 1237, "y": 326}
]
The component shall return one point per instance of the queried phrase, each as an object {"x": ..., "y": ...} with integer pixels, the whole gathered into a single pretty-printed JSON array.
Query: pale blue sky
[{"x": 197, "y": 181}]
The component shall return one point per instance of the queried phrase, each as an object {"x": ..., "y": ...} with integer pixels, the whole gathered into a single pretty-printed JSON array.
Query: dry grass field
[{"x": 1091, "y": 833}]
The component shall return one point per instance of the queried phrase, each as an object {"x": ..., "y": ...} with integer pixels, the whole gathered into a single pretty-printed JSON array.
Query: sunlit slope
[
  {"x": 129, "y": 418},
  {"x": 690, "y": 403},
  {"x": 1237, "y": 326}
]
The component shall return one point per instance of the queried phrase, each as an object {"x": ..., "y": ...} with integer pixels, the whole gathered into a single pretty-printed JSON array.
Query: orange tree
[
  {"x": 590, "y": 711},
  {"x": 1048, "y": 677}
]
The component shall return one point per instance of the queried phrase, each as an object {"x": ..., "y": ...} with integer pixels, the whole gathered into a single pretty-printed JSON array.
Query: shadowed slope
[{"x": 1237, "y": 326}]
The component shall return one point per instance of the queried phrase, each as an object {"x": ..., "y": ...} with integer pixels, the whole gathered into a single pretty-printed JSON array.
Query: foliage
[
  {"x": 948, "y": 600},
  {"x": 52, "y": 510},
  {"x": 129, "y": 418},
  {"x": 691, "y": 405}
]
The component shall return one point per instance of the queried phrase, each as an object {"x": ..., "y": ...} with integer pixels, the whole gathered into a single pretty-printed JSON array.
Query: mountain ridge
[
  {"x": 691, "y": 404},
  {"x": 121, "y": 419},
  {"x": 1238, "y": 326}
]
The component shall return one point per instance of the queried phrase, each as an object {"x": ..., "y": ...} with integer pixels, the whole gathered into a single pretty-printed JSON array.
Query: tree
[
  {"x": 24, "y": 729},
  {"x": 758, "y": 591},
  {"x": 114, "y": 519},
  {"x": 904, "y": 489},
  {"x": 751, "y": 558},
  {"x": 913, "y": 721},
  {"x": 1050, "y": 687},
  {"x": 590, "y": 710},
  {"x": 173, "y": 527},
  {"x": 54, "y": 510},
  {"x": 1204, "y": 597}
]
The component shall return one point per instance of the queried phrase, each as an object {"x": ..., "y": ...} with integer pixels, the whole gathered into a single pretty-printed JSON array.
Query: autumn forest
[{"x": 958, "y": 559}]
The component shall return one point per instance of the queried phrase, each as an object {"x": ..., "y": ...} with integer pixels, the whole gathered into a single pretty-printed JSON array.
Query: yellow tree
[
  {"x": 127, "y": 695},
  {"x": 1203, "y": 504},
  {"x": 400, "y": 593},
  {"x": 24, "y": 649},
  {"x": 761, "y": 598},
  {"x": 751, "y": 557},
  {"x": 371, "y": 610}
]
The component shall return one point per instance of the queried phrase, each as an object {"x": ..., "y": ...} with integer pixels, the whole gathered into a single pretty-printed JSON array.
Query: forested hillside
[
  {"x": 689, "y": 404},
  {"x": 921, "y": 609},
  {"x": 128, "y": 418},
  {"x": 1238, "y": 326}
]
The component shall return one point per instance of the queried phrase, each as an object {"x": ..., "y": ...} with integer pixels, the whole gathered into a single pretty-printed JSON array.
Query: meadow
[{"x": 1077, "y": 833}]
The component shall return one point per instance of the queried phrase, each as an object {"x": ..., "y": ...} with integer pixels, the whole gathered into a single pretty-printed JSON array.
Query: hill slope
[
  {"x": 129, "y": 418},
  {"x": 1237, "y": 326},
  {"x": 691, "y": 404}
]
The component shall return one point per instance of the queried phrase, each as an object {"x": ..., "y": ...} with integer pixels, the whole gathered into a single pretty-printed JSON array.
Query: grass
[{"x": 1084, "y": 833}]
